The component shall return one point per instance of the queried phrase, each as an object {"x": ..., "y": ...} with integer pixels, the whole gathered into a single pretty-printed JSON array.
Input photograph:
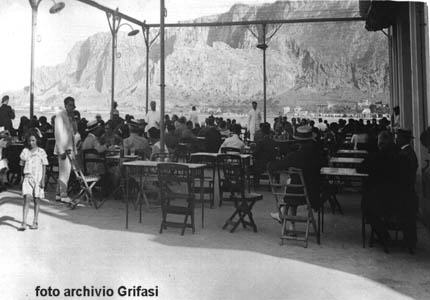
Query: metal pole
[
  {"x": 113, "y": 26},
  {"x": 114, "y": 37},
  {"x": 162, "y": 85},
  {"x": 34, "y": 5},
  {"x": 264, "y": 71},
  {"x": 147, "y": 69}
]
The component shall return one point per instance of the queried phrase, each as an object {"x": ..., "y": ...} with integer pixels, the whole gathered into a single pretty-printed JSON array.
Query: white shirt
[
  {"x": 234, "y": 142},
  {"x": 321, "y": 126},
  {"x": 194, "y": 117},
  {"x": 153, "y": 120},
  {"x": 254, "y": 119}
]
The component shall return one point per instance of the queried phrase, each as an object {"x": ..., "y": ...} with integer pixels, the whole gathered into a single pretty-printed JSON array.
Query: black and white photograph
[{"x": 222, "y": 149}]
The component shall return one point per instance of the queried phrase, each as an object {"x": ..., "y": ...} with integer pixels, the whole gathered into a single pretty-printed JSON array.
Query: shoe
[
  {"x": 66, "y": 200},
  {"x": 74, "y": 204},
  {"x": 34, "y": 226},
  {"x": 275, "y": 216},
  {"x": 22, "y": 228},
  {"x": 57, "y": 198}
]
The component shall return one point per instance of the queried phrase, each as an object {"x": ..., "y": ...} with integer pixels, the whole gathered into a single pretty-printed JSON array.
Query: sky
[{"x": 56, "y": 34}]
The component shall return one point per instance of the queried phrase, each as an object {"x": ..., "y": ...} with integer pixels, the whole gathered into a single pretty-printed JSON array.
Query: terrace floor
[{"x": 90, "y": 247}]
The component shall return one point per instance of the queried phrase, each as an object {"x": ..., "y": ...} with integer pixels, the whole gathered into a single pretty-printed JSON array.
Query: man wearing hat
[
  {"x": 99, "y": 119},
  {"x": 309, "y": 159},
  {"x": 7, "y": 114},
  {"x": 136, "y": 142},
  {"x": 403, "y": 140}
]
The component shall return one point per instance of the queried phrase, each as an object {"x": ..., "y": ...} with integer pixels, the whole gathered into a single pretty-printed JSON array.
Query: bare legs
[{"x": 25, "y": 210}]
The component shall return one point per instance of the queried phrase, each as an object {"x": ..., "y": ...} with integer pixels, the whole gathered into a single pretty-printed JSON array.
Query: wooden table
[
  {"x": 148, "y": 167},
  {"x": 246, "y": 159},
  {"x": 355, "y": 153},
  {"x": 346, "y": 160},
  {"x": 126, "y": 157},
  {"x": 345, "y": 172}
]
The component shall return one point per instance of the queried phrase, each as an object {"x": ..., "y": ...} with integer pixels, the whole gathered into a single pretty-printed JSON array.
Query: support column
[
  {"x": 162, "y": 70},
  {"x": 147, "y": 69},
  {"x": 114, "y": 23},
  {"x": 34, "y": 7}
]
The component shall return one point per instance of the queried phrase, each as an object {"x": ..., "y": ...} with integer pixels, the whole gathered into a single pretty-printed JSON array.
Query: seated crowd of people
[{"x": 391, "y": 163}]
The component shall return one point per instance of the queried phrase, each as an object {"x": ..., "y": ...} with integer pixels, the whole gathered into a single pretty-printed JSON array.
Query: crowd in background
[{"x": 391, "y": 163}]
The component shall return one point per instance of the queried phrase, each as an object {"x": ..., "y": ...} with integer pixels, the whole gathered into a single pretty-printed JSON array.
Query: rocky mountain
[{"x": 221, "y": 66}]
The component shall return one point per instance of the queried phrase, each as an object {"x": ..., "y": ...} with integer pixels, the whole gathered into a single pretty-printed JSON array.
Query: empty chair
[
  {"x": 177, "y": 195},
  {"x": 233, "y": 183},
  {"x": 182, "y": 152},
  {"x": 93, "y": 162},
  {"x": 209, "y": 178},
  {"x": 85, "y": 185},
  {"x": 289, "y": 190}
]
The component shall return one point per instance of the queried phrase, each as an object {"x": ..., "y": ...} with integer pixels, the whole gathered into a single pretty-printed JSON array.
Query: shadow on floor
[{"x": 340, "y": 247}]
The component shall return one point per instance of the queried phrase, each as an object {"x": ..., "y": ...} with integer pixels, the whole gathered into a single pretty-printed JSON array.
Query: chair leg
[
  {"x": 230, "y": 220},
  {"x": 251, "y": 219},
  {"x": 193, "y": 227},
  {"x": 307, "y": 232},
  {"x": 185, "y": 225},
  {"x": 314, "y": 225}
]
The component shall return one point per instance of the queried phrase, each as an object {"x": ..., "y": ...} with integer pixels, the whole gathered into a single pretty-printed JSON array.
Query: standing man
[
  {"x": 65, "y": 129},
  {"x": 194, "y": 117},
  {"x": 7, "y": 114},
  {"x": 410, "y": 201},
  {"x": 152, "y": 117},
  {"x": 254, "y": 120}
]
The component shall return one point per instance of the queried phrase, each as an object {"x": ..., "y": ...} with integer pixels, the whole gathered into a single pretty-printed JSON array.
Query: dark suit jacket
[
  {"x": 265, "y": 152},
  {"x": 213, "y": 138},
  {"x": 6, "y": 117},
  {"x": 308, "y": 158},
  {"x": 384, "y": 189}
]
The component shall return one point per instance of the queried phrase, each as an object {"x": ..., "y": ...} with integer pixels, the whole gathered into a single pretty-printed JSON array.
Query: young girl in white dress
[{"x": 34, "y": 160}]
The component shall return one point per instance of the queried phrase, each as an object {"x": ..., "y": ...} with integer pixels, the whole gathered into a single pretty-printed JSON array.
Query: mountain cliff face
[{"x": 221, "y": 67}]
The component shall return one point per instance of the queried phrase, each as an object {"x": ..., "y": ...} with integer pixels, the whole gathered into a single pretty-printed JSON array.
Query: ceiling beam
[
  {"x": 112, "y": 11},
  {"x": 258, "y": 22}
]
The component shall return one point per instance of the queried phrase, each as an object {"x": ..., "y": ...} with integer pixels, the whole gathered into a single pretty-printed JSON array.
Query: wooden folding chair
[
  {"x": 177, "y": 195},
  {"x": 289, "y": 190},
  {"x": 233, "y": 182},
  {"x": 86, "y": 185},
  {"x": 208, "y": 187}
]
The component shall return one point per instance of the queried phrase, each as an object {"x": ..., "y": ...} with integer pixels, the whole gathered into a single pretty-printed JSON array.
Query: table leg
[
  {"x": 126, "y": 200},
  {"x": 202, "y": 197}
]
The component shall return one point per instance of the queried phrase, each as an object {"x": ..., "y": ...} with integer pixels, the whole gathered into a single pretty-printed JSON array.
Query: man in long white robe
[
  {"x": 65, "y": 129},
  {"x": 254, "y": 120}
]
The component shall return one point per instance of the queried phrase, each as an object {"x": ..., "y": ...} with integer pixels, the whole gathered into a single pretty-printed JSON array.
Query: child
[{"x": 34, "y": 160}]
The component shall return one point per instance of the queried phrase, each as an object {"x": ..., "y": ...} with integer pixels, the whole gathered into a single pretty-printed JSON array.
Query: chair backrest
[
  {"x": 183, "y": 151},
  {"x": 209, "y": 161},
  {"x": 230, "y": 150},
  {"x": 92, "y": 156},
  {"x": 289, "y": 188},
  {"x": 163, "y": 157},
  {"x": 233, "y": 172},
  {"x": 175, "y": 182}
]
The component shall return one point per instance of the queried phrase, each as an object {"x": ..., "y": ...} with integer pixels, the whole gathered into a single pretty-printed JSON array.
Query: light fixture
[
  {"x": 133, "y": 32},
  {"x": 56, "y": 7}
]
